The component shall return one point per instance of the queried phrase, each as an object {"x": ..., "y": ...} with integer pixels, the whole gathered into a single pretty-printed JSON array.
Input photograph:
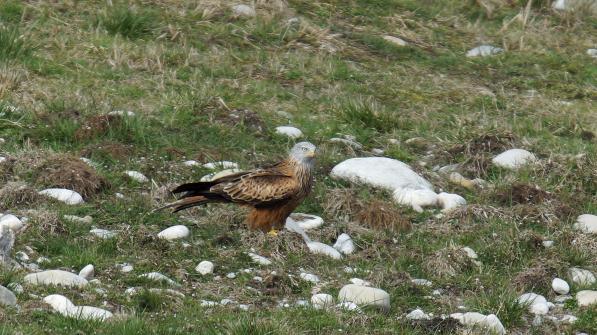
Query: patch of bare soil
[{"x": 65, "y": 171}]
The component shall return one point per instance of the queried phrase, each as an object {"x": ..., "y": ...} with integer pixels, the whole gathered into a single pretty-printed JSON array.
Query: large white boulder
[
  {"x": 473, "y": 319},
  {"x": 381, "y": 172},
  {"x": 415, "y": 198},
  {"x": 69, "y": 197},
  {"x": 586, "y": 298},
  {"x": 64, "y": 306},
  {"x": 55, "y": 277},
  {"x": 514, "y": 159},
  {"x": 586, "y": 223},
  {"x": 289, "y": 131},
  {"x": 365, "y": 296},
  {"x": 581, "y": 277},
  {"x": 174, "y": 233}
]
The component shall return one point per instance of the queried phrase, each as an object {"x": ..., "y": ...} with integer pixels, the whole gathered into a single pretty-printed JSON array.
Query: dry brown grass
[
  {"x": 449, "y": 262},
  {"x": 97, "y": 125},
  {"x": 520, "y": 193},
  {"x": 17, "y": 195},
  {"x": 344, "y": 204},
  {"x": 114, "y": 150},
  {"x": 69, "y": 172},
  {"x": 538, "y": 275}
]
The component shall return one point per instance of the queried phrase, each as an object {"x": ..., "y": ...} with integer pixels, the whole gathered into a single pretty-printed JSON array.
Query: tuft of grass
[
  {"x": 13, "y": 45},
  {"x": 127, "y": 22}
]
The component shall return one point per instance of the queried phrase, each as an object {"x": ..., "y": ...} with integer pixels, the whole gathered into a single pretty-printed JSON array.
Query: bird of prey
[{"x": 272, "y": 192}]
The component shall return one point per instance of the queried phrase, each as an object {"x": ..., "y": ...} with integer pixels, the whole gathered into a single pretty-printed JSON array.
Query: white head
[{"x": 303, "y": 152}]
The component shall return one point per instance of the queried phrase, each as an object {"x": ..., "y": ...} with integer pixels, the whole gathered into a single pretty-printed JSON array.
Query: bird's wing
[{"x": 260, "y": 187}]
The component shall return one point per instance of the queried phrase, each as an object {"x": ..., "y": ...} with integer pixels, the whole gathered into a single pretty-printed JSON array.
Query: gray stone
[{"x": 7, "y": 298}]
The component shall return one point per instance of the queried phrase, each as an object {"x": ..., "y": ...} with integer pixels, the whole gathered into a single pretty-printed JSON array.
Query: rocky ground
[{"x": 455, "y": 187}]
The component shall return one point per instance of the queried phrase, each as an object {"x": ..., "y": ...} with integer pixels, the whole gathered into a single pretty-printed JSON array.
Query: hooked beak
[{"x": 311, "y": 154}]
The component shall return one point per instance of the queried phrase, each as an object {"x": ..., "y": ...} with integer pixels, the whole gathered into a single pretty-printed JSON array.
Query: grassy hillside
[{"x": 205, "y": 84}]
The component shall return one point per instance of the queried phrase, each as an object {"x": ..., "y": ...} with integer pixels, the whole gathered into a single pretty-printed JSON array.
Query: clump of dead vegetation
[
  {"x": 538, "y": 275},
  {"x": 520, "y": 193},
  {"x": 479, "y": 151},
  {"x": 113, "y": 150},
  {"x": 46, "y": 222},
  {"x": 345, "y": 205},
  {"x": 17, "y": 195},
  {"x": 66, "y": 171},
  {"x": 449, "y": 262},
  {"x": 97, "y": 125},
  {"x": 6, "y": 169}
]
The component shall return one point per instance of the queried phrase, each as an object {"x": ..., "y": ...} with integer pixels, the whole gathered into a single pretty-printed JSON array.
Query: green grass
[{"x": 182, "y": 66}]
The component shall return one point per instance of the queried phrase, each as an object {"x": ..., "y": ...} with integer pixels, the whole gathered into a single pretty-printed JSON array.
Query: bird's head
[{"x": 303, "y": 152}]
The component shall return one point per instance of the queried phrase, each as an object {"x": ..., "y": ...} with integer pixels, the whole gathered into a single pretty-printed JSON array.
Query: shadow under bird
[{"x": 271, "y": 192}]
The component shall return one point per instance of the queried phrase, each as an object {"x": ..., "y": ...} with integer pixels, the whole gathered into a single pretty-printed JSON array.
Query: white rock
[
  {"x": 259, "y": 259},
  {"x": 415, "y": 198},
  {"x": 7, "y": 240},
  {"x": 305, "y": 221},
  {"x": 221, "y": 165},
  {"x": 417, "y": 314},
  {"x": 344, "y": 244},
  {"x": 348, "y": 306},
  {"x": 244, "y": 307},
  {"x": 592, "y": 52},
  {"x": 547, "y": 244},
  {"x": 470, "y": 253},
  {"x": 377, "y": 151},
  {"x": 122, "y": 113},
  {"x": 125, "y": 267},
  {"x": 474, "y": 319},
  {"x": 536, "y": 303},
  {"x": 190, "y": 163},
  {"x": 67, "y": 196},
  {"x": 581, "y": 276},
  {"x": 323, "y": 249},
  {"x": 449, "y": 201},
  {"x": 291, "y": 132},
  {"x": 560, "y": 286},
  {"x": 309, "y": 277},
  {"x": 119, "y": 195},
  {"x": 243, "y": 10},
  {"x": 484, "y": 50},
  {"x": 158, "y": 277},
  {"x": 381, "y": 172},
  {"x": 208, "y": 303},
  {"x": 322, "y": 300},
  {"x": 258, "y": 279},
  {"x": 22, "y": 256},
  {"x": 87, "y": 272},
  {"x": 88, "y": 162},
  {"x": 7, "y": 298},
  {"x": 103, "y": 233},
  {"x": 395, "y": 40},
  {"x": 365, "y": 296},
  {"x": 11, "y": 222},
  {"x": 2, "y": 159},
  {"x": 568, "y": 319},
  {"x": 137, "y": 176},
  {"x": 586, "y": 298},
  {"x": 514, "y": 159},
  {"x": 219, "y": 174},
  {"x": 64, "y": 306},
  {"x": 231, "y": 275},
  {"x": 359, "y": 281},
  {"x": 586, "y": 223},
  {"x": 205, "y": 267},
  {"x": 421, "y": 282},
  {"x": 56, "y": 277},
  {"x": 77, "y": 219},
  {"x": 174, "y": 233}
]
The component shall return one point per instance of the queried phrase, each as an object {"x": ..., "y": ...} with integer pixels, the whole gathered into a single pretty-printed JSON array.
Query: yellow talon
[{"x": 273, "y": 233}]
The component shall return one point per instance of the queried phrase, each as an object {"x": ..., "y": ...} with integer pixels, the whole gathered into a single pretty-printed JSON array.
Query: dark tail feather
[
  {"x": 185, "y": 203},
  {"x": 193, "y": 187}
]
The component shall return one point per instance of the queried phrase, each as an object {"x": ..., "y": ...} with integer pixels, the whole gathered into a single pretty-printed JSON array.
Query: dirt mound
[
  {"x": 113, "y": 150},
  {"x": 521, "y": 194},
  {"x": 65, "y": 171},
  {"x": 97, "y": 125}
]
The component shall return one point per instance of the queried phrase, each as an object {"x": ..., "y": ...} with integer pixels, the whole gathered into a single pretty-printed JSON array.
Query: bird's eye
[{"x": 304, "y": 149}]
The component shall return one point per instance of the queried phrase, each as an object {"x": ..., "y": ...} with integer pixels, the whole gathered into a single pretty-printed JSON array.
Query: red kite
[{"x": 272, "y": 192}]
